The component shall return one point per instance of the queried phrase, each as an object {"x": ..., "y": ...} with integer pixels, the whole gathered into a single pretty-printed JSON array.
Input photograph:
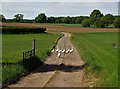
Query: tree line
[{"x": 96, "y": 19}]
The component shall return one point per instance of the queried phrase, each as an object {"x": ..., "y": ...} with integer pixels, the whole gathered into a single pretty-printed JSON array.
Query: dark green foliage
[
  {"x": 96, "y": 22},
  {"x": 66, "y": 20},
  {"x": 96, "y": 14},
  {"x": 87, "y": 22},
  {"x": 59, "y": 20},
  {"x": 51, "y": 20},
  {"x": 18, "y": 18},
  {"x": 2, "y": 18},
  {"x": 41, "y": 18},
  {"x": 11, "y": 72},
  {"x": 106, "y": 20},
  {"x": 79, "y": 19},
  {"x": 73, "y": 19},
  {"x": 27, "y": 21},
  {"x": 116, "y": 22},
  {"x": 19, "y": 69},
  {"x": 22, "y": 30}
]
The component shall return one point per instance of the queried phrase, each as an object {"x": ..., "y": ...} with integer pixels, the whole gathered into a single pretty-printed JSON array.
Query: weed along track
[{"x": 64, "y": 68}]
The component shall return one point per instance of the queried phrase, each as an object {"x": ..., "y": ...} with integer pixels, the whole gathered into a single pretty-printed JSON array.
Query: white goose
[
  {"x": 59, "y": 53},
  {"x": 71, "y": 50},
  {"x": 53, "y": 50},
  {"x": 57, "y": 49},
  {"x": 63, "y": 51},
  {"x": 67, "y": 51}
]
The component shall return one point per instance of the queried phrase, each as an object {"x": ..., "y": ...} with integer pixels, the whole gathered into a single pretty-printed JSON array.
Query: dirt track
[{"x": 66, "y": 71}]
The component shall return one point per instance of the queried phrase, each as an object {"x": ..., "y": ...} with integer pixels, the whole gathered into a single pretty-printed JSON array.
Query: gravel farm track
[
  {"x": 66, "y": 71},
  {"x": 63, "y": 71}
]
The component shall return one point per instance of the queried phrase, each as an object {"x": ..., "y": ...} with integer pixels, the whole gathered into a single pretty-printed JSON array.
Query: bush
[
  {"x": 21, "y": 30},
  {"x": 79, "y": 19},
  {"x": 106, "y": 20},
  {"x": 116, "y": 22},
  {"x": 87, "y": 22}
]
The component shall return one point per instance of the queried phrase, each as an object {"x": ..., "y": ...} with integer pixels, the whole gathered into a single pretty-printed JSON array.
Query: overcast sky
[
  {"x": 59, "y": 1},
  {"x": 31, "y": 9}
]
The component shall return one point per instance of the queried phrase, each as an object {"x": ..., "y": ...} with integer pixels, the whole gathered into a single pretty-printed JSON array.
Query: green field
[
  {"x": 101, "y": 57},
  {"x": 63, "y": 24},
  {"x": 14, "y": 45}
]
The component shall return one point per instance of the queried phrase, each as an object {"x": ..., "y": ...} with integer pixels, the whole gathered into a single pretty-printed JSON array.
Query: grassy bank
[
  {"x": 14, "y": 45},
  {"x": 101, "y": 56}
]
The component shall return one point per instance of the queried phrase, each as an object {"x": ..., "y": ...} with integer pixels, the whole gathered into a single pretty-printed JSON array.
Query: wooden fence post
[
  {"x": 33, "y": 47},
  {"x": 30, "y": 53}
]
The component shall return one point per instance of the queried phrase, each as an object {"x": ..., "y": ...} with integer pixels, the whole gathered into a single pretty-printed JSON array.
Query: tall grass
[{"x": 102, "y": 58}]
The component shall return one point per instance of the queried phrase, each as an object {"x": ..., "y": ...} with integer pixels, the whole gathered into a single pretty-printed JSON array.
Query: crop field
[
  {"x": 14, "y": 45},
  {"x": 101, "y": 57},
  {"x": 63, "y": 27}
]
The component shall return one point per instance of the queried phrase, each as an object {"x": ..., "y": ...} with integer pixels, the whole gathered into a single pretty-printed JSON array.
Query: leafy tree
[
  {"x": 73, "y": 19},
  {"x": 87, "y": 22},
  {"x": 18, "y": 17},
  {"x": 96, "y": 14},
  {"x": 51, "y": 20},
  {"x": 41, "y": 18},
  {"x": 2, "y": 18},
  {"x": 66, "y": 20},
  {"x": 59, "y": 20},
  {"x": 116, "y": 22},
  {"x": 106, "y": 20},
  {"x": 79, "y": 19}
]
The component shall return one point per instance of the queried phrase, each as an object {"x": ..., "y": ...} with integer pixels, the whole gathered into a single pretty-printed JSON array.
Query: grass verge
[
  {"x": 14, "y": 45},
  {"x": 101, "y": 57}
]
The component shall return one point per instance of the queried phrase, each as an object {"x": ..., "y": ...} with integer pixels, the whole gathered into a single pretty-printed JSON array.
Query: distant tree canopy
[
  {"x": 96, "y": 19},
  {"x": 87, "y": 22},
  {"x": 51, "y": 20},
  {"x": 116, "y": 22},
  {"x": 18, "y": 17},
  {"x": 96, "y": 14},
  {"x": 79, "y": 19},
  {"x": 41, "y": 18},
  {"x": 66, "y": 20},
  {"x": 2, "y": 18},
  {"x": 106, "y": 20}
]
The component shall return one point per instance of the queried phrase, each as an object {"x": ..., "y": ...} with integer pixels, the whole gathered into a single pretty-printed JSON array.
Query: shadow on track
[{"x": 61, "y": 67}]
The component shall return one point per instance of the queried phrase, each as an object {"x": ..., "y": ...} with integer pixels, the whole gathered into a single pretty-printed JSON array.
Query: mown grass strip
[{"x": 101, "y": 56}]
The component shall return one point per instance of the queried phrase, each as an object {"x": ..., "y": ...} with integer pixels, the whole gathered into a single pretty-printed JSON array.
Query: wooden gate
[{"x": 30, "y": 53}]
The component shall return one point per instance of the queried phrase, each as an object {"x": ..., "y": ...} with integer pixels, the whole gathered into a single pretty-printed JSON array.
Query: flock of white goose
[{"x": 59, "y": 51}]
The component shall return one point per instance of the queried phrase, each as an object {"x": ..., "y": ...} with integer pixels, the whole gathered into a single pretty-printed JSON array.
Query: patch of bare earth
[{"x": 64, "y": 71}]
